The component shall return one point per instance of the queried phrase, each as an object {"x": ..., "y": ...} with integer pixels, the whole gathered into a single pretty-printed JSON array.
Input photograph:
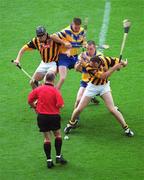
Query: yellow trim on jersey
[
  {"x": 27, "y": 48},
  {"x": 75, "y": 38}
]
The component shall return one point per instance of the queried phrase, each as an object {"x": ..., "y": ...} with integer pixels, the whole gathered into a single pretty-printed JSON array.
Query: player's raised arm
[
  {"x": 57, "y": 39},
  {"x": 20, "y": 54}
]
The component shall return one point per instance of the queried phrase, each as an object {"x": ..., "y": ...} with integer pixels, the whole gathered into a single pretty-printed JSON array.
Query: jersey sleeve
[
  {"x": 61, "y": 34},
  {"x": 89, "y": 69},
  {"x": 111, "y": 61},
  {"x": 32, "y": 44}
]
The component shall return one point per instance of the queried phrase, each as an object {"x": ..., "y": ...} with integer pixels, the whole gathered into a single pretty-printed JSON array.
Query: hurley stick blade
[
  {"x": 126, "y": 25},
  {"x": 104, "y": 46}
]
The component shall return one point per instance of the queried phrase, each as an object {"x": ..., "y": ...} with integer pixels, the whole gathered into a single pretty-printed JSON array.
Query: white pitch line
[{"x": 105, "y": 24}]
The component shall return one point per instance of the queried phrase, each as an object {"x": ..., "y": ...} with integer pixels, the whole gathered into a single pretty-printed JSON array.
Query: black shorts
[{"x": 47, "y": 122}]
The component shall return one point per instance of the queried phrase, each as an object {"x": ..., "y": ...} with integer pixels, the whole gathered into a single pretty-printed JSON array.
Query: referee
[{"x": 49, "y": 102}]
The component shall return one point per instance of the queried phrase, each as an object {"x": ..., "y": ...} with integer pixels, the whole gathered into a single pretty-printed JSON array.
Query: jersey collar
[
  {"x": 93, "y": 55},
  {"x": 49, "y": 84}
]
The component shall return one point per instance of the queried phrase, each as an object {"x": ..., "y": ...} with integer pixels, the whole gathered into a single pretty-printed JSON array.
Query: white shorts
[
  {"x": 92, "y": 90},
  {"x": 45, "y": 67}
]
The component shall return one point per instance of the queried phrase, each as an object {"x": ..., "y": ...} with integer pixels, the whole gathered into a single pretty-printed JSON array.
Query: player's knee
[
  {"x": 63, "y": 78},
  {"x": 112, "y": 110},
  {"x": 57, "y": 134},
  {"x": 47, "y": 141},
  {"x": 34, "y": 83},
  {"x": 58, "y": 137}
]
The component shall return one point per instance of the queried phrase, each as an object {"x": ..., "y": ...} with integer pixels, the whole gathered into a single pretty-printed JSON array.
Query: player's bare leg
[
  {"x": 83, "y": 103},
  {"x": 108, "y": 99},
  {"x": 79, "y": 96},
  {"x": 63, "y": 75},
  {"x": 36, "y": 78}
]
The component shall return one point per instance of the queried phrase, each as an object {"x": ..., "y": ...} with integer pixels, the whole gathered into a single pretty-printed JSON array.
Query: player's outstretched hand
[
  {"x": 124, "y": 63},
  {"x": 16, "y": 62}
]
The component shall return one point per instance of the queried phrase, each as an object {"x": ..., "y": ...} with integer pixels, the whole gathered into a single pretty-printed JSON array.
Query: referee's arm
[{"x": 32, "y": 97}]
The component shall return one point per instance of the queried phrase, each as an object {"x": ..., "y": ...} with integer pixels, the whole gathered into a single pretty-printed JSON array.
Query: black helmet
[{"x": 40, "y": 31}]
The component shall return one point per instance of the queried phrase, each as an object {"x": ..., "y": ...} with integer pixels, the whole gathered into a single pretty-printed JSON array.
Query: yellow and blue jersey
[{"x": 75, "y": 38}]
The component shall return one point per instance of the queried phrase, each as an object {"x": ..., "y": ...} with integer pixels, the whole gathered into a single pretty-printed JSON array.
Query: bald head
[{"x": 49, "y": 77}]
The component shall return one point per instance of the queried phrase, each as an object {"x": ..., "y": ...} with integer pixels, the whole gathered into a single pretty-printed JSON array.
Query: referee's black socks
[
  {"x": 47, "y": 149},
  {"x": 58, "y": 145}
]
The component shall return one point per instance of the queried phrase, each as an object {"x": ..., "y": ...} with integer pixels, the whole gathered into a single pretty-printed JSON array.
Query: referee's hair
[
  {"x": 77, "y": 21},
  {"x": 50, "y": 76}
]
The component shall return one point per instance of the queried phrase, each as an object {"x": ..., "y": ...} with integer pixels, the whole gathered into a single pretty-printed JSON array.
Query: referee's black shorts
[{"x": 48, "y": 122}]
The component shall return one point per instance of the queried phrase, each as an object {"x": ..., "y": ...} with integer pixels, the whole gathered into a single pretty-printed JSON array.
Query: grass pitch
[{"x": 97, "y": 150}]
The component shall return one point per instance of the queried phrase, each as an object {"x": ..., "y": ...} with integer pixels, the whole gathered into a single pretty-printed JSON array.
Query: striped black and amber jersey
[
  {"x": 49, "y": 50},
  {"x": 85, "y": 75},
  {"x": 95, "y": 74},
  {"x": 75, "y": 38}
]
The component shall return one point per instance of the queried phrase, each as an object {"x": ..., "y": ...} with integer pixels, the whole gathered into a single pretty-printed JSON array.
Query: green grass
[{"x": 97, "y": 149}]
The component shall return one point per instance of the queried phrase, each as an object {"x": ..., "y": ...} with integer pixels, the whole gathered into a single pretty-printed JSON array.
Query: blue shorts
[
  {"x": 69, "y": 62},
  {"x": 83, "y": 84}
]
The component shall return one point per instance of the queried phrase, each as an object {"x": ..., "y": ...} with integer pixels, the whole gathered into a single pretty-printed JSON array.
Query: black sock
[
  {"x": 125, "y": 127},
  {"x": 58, "y": 145},
  {"x": 47, "y": 149}
]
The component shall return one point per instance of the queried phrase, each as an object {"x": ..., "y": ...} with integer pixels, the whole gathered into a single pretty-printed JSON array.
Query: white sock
[
  {"x": 58, "y": 156},
  {"x": 49, "y": 160}
]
